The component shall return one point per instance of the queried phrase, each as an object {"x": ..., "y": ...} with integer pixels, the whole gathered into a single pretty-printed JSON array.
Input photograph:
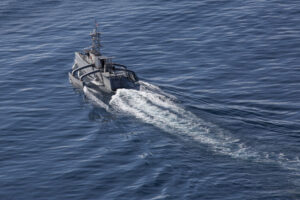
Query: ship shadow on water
[
  {"x": 98, "y": 103},
  {"x": 97, "y": 114}
]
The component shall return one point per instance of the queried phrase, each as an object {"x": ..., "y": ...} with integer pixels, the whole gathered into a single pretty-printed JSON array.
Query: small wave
[{"x": 155, "y": 107}]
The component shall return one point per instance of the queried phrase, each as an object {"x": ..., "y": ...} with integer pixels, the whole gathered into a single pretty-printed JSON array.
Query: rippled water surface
[{"x": 217, "y": 115}]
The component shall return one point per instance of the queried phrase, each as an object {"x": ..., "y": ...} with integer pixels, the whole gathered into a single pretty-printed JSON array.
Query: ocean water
[{"x": 217, "y": 115}]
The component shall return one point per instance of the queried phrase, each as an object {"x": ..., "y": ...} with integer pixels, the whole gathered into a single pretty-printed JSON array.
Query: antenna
[{"x": 96, "y": 40}]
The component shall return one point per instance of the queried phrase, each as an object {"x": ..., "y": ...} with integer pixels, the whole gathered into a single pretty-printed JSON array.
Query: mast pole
[{"x": 96, "y": 40}]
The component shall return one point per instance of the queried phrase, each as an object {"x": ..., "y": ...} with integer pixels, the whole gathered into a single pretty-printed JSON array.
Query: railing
[
  {"x": 131, "y": 75},
  {"x": 89, "y": 73},
  {"x": 80, "y": 68}
]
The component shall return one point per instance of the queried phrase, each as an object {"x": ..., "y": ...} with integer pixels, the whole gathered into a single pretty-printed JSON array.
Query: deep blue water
[{"x": 217, "y": 116}]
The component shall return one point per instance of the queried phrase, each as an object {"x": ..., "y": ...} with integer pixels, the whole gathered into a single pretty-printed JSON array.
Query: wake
[{"x": 153, "y": 106}]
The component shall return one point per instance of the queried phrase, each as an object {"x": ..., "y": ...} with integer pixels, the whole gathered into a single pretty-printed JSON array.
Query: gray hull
[{"x": 109, "y": 79}]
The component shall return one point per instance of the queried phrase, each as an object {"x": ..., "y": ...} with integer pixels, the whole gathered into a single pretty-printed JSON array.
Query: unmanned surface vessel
[{"x": 93, "y": 70}]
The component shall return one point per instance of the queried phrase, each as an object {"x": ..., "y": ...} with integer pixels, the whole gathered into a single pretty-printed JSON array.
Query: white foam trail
[
  {"x": 152, "y": 106},
  {"x": 94, "y": 99},
  {"x": 158, "y": 110}
]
